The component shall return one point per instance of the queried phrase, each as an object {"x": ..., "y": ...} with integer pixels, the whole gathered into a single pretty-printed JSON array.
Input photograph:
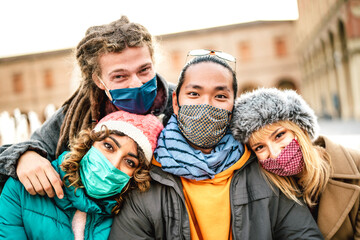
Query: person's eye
[
  {"x": 108, "y": 146},
  {"x": 258, "y": 148},
  {"x": 279, "y": 135},
  {"x": 119, "y": 77},
  {"x": 131, "y": 163},
  {"x": 145, "y": 70},
  {"x": 221, "y": 96},
  {"x": 193, "y": 94}
]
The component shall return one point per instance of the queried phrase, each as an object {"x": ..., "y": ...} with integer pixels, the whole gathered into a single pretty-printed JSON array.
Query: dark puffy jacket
[
  {"x": 23, "y": 216},
  {"x": 257, "y": 211}
]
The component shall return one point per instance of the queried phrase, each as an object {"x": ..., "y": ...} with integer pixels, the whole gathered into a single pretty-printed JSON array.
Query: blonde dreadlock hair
[{"x": 86, "y": 106}]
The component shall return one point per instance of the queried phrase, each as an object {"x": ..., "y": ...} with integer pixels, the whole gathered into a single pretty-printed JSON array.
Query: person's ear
[
  {"x": 97, "y": 81},
  {"x": 175, "y": 103}
]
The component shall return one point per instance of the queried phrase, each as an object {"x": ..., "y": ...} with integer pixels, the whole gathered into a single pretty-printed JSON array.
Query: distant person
[
  {"x": 279, "y": 127},
  {"x": 117, "y": 66},
  {"x": 207, "y": 185},
  {"x": 102, "y": 166}
]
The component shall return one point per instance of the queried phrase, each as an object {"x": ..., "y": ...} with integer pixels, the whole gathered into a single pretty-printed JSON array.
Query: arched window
[{"x": 286, "y": 83}]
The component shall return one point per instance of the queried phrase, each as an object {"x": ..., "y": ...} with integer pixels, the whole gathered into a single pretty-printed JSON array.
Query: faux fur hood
[{"x": 254, "y": 110}]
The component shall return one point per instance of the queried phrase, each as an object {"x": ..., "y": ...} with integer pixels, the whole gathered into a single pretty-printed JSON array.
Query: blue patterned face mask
[
  {"x": 203, "y": 125},
  {"x": 134, "y": 100},
  {"x": 100, "y": 178}
]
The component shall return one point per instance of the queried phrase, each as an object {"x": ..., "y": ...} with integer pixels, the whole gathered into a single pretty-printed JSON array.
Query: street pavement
[{"x": 347, "y": 133}]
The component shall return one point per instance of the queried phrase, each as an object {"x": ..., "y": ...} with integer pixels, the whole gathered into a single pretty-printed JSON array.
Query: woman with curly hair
[
  {"x": 102, "y": 166},
  {"x": 282, "y": 130}
]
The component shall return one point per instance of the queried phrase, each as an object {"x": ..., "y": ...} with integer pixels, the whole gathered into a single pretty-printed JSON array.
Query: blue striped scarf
[{"x": 177, "y": 157}]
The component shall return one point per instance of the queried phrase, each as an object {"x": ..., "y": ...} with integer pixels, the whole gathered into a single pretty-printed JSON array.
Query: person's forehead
[
  {"x": 208, "y": 74},
  {"x": 129, "y": 59}
]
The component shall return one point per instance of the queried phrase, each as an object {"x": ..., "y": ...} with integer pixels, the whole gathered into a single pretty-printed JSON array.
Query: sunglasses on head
[{"x": 219, "y": 54}]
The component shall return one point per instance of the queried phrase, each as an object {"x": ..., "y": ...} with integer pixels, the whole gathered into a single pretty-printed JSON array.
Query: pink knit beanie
[{"x": 143, "y": 129}]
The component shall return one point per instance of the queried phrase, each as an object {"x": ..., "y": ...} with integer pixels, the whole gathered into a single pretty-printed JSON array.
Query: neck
[{"x": 203, "y": 150}]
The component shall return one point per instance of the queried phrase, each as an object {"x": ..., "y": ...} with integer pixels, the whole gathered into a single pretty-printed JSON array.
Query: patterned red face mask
[{"x": 289, "y": 162}]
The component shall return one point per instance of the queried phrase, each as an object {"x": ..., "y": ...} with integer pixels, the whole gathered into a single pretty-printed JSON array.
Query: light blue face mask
[
  {"x": 100, "y": 178},
  {"x": 134, "y": 100}
]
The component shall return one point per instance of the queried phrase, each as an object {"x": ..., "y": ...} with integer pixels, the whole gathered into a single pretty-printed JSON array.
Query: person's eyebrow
[
  {"x": 275, "y": 132},
  {"x": 217, "y": 88},
  {"x": 254, "y": 145},
  {"x": 222, "y": 88},
  {"x": 148, "y": 64},
  {"x": 133, "y": 155},
  {"x": 271, "y": 135},
  {"x": 193, "y": 86},
  {"x": 115, "y": 141},
  {"x": 119, "y": 146},
  {"x": 120, "y": 70}
]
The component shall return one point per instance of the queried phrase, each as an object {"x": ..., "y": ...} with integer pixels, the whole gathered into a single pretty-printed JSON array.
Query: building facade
[
  {"x": 328, "y": 45},
  {"x": 264, "y": 50},
  {"x": 31, "y": 82}
]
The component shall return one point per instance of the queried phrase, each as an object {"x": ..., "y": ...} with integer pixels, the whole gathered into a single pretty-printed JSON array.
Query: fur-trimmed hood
[{"x": 254, "y": 110}]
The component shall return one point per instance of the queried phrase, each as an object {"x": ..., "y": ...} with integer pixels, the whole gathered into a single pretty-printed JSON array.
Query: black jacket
[{"x": 257, "y": 211}]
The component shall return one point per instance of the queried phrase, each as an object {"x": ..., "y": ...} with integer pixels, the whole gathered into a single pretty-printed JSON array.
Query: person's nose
[
  {"x": 135, "y": 82},
  {"x": 207, "y": 100},
  {"x": 274, "y": 150},
  {"x": 116, "y": 160}
]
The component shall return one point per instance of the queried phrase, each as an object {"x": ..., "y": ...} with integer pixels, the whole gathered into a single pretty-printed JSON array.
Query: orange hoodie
[{"x": 208, "y": 203}]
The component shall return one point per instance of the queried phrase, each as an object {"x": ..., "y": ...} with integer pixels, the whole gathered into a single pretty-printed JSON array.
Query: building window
[
  {"x": 244, "y": 51},
  {"x": 285, "y": 83},
  {"x": 18, "y": 83},
  {"x": 280, "y": 47},
  {"x": 48, "y": 79}
]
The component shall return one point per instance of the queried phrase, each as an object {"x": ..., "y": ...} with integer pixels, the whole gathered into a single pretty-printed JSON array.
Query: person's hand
[{"x": 38, "y": 175}]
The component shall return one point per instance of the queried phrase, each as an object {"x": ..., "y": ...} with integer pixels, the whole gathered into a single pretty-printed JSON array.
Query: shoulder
[
  {"x": 59, "y": 115},
  {"x": 250, "y": 184},
  {"x": 167, "y": 85},
  {"x": 339, "y": 154},
  {"x": 13, "y": 192},
  {"x": 12, "y": 183},
  {"x": 148, "y": 199}
]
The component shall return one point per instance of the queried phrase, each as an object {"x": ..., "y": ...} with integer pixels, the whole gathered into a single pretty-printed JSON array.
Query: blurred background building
[
  {"x": 265, "y": 53},
  {"x": 318, "y": 55},
  {"x": 328, "y": 46},
  {"x": 31, "y": 82},
  {"x": 264, "y": 50}
]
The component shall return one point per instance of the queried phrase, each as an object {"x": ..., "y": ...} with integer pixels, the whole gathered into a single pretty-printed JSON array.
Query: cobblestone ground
[{"x": 347, "y": 133}]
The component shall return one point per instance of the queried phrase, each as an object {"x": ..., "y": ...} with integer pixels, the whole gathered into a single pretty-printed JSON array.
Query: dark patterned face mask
[{"x": 203, "y": 125}]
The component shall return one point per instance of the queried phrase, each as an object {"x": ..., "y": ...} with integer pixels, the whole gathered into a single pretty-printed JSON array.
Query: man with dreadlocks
[{"x": 116, "y": 61}]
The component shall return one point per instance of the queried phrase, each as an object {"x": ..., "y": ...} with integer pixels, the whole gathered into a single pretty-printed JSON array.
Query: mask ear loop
[{"x": 107, "y": 91}]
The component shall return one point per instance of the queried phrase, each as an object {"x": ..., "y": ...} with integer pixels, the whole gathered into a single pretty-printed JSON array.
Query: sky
[{"x": 32, "y": 26}]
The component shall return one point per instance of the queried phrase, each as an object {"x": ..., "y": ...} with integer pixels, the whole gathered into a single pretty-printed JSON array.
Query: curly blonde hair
[
  {"x": 79, "y": 147},
  {"x": 312, "y": 181}
]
